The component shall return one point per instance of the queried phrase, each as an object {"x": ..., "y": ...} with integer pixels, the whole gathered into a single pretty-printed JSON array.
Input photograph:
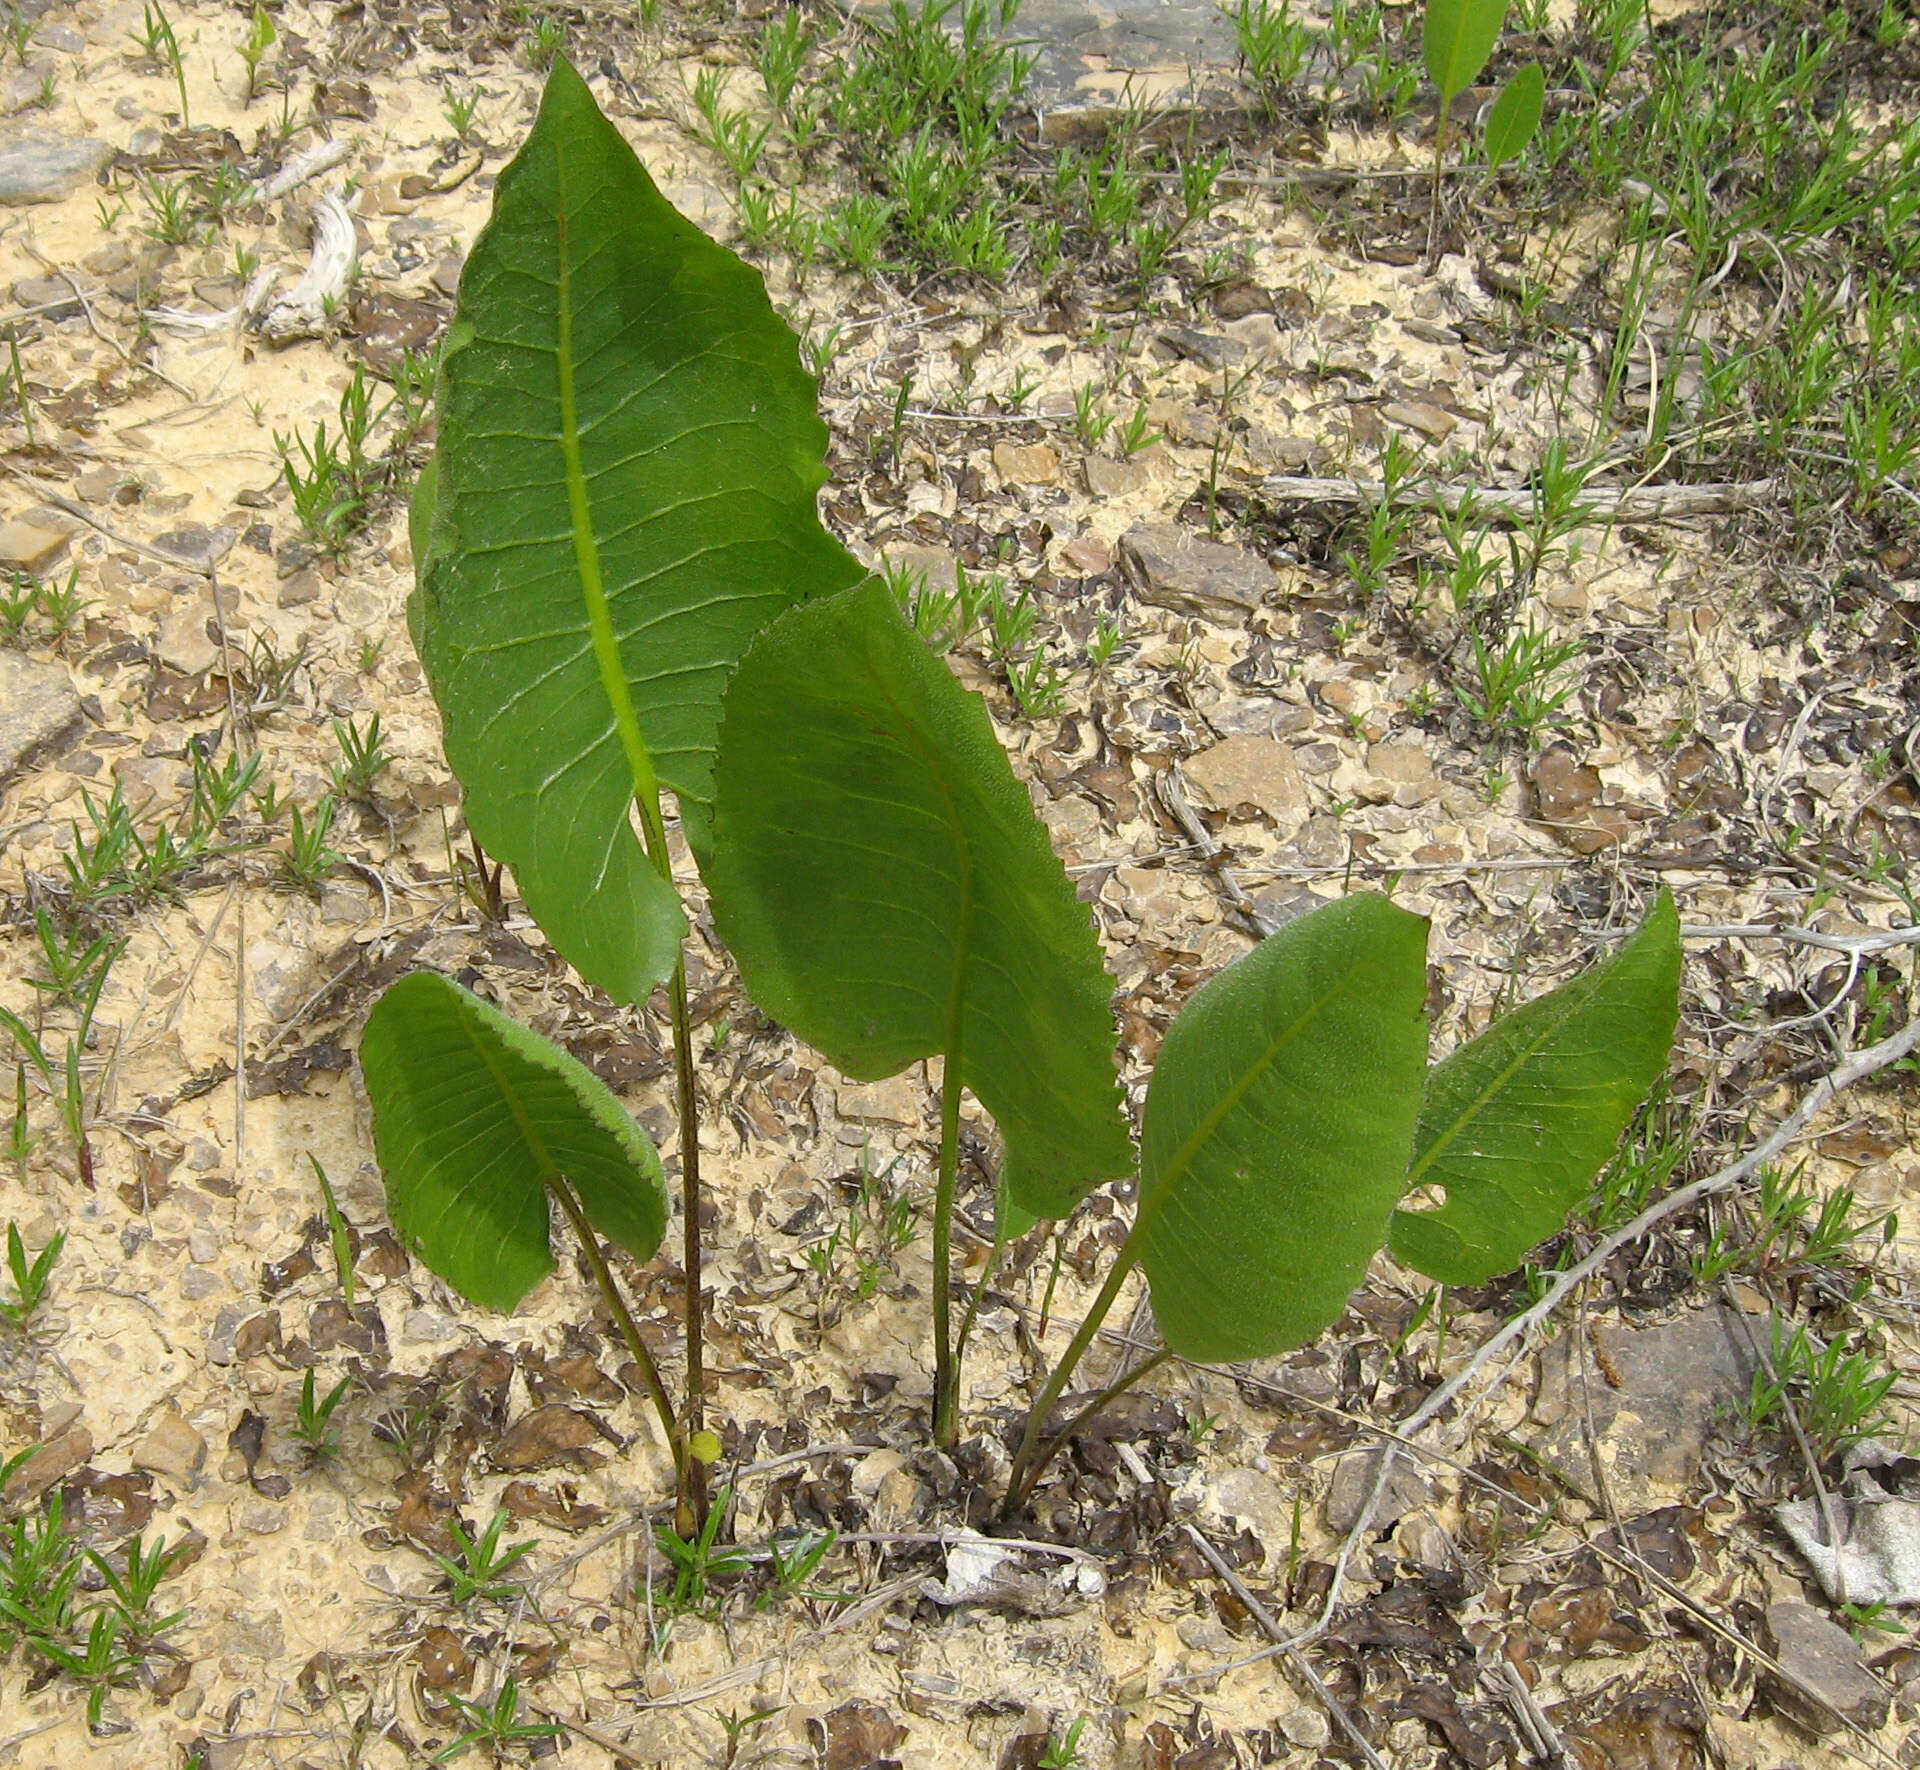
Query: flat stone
[
  {"x": 55, "y": 1459},
  {"x": 1176, "y": 569},
  {"x": 37, "y": 705},
  {"x": 1322, "y": 842},
  {"x": 261, "y": 1518},
  {"x": 896, "y": 1101},
  {"x": 250, "y": 1636},
  {"x": 1026, "y": 464},
  {"x": 43, "y": 166},
  {"x": 173, "y": 1449},
  {"x": 21, "y": 89},
  {"x": 197, "y": 546},
  {"x": 1353, "y": 1479},
  {"x": 1088, "y": 554},
  {"x": 1416, "y": 414},
  {"x": 1822, "y": 1657},
  {"x": 1567, "y": 794},
  {"x": 28, "y": 546},
  {"x": 1676, "y": 1379},
  {"x": 1114, "y": 479},
  {"x": 105, "y": 485},
  {"x": 183, "y": 643},
  {"x": 1405, "y": 765},
  {"x": 1255, "y": 774},
  {"x": 54, "y": 297},
  {"x": 107, "y": 260},
  {"x": 300, "y": 589},
  {"x": 1258, "y": 332}
]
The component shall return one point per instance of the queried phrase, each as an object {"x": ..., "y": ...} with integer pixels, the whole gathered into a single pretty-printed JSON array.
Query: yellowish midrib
[{"x": 586, "y": 551}]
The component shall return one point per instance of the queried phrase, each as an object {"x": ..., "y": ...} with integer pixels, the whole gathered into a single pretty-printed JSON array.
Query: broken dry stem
[
  {"x": 995, "y": 1250},
  {"x": 562, "y": 1189}
]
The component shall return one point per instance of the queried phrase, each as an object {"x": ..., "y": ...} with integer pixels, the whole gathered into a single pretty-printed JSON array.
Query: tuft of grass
[{"x": 481, "y": 1569}]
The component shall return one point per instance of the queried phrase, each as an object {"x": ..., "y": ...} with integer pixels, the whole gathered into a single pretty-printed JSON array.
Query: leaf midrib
[
  {"x": 1477, "y": 1105},
  {"x": 586, "y": 551},
  {"x": 1202, "y": 1133}
]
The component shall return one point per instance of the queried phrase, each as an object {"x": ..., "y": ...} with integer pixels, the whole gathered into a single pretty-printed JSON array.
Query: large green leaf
[
  {"x": 472, "y": 1115},
  {"x": 1457, "y": 38},
  {"x": 882, "y": 880},
  {"x": 1517, "y": 1122},
  {"x": 1278, "y": 1127},
  {"x": 623, "y": 494}
]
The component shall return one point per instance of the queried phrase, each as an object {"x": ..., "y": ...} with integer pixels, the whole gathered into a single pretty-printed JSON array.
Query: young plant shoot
[{"x": 625, "y": 589}]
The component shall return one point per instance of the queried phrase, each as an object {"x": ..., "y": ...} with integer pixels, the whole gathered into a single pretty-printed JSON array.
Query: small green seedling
[
  {"x": 30, "y": 1278},
  {"x": 101, "y": 1662},
  {"x": 261, "y": 36},
  {"x": 480, "y": 1572},
  {"x": 495, "y": 1725},
  {"x": 363, "y": 759},
  {"x": 159, "y": 45},
  {"x": 700, "y": 1559},
  {"x": 309, "y": 861},
  {"x": 134, "y": 1583},
  {"x": 1063, "y": 1753},
  {"x": 338, "y": 1233},
  {"x": 313, "y": 1424},
  {"x": 460, "y": 109},
  {"x": 737, "y": 1726}
]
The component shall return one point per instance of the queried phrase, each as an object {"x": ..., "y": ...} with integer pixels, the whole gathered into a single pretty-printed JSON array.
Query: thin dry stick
[
  {"x": 1293, "y": 1656},
  {"x": 1173, "y": 794},
  {"x": 1857, "y": 1068},
  {"x": 80, "y": 513},
  {"x": 1519, "y": 503},
  {"x": 1546, "y": 1739},
  {"x": 612, "y": 1747}
]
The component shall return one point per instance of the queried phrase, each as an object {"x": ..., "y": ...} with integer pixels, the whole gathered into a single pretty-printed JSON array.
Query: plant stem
[
  {"x": 562, "y": 1189},
  {"x": 946, "y": 1364},
  {"x": 1016, "y": 1496},
  {"x": 1433, "y": 210},
  {"x": 692, "y": 1469},
  {"x": 1020, "y": 1478},
  {"x": 695, "y": 1473}
]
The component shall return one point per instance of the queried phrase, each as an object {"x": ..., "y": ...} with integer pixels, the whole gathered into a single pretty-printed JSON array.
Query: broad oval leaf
[
  {"x": 1278, "y": 1127},
  {"x": 1515, "y": 116},
  {"x": 881, "y": 878},
  {"x": 1517, "y": 1122},
  {"x": 1457, "y": 37},
  {"x": 623, "y": 494},
  {"x": 472, "y": 1115}
]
